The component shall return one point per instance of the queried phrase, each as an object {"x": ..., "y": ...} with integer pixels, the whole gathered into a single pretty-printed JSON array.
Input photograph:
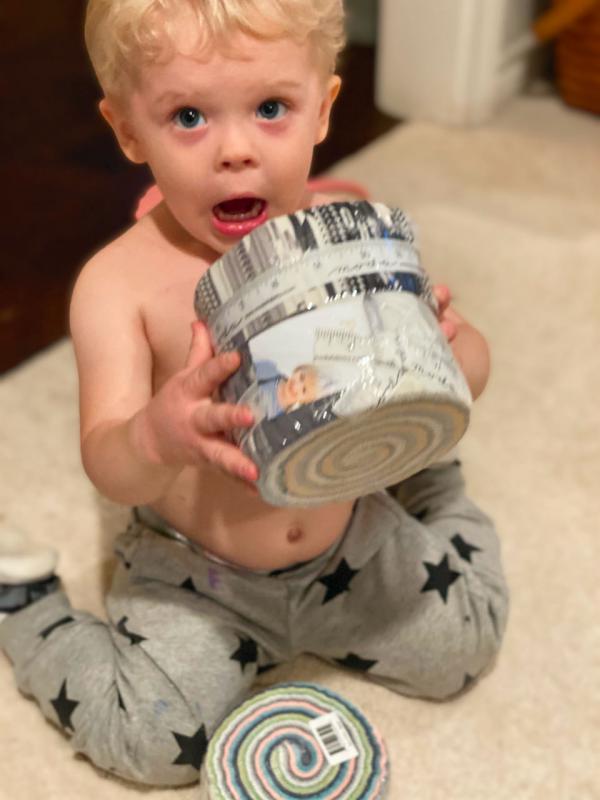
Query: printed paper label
[{"x": 333, "y": 738}]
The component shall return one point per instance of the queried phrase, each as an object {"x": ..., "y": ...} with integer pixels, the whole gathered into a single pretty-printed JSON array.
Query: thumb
[{"x": 200, "y": 347}]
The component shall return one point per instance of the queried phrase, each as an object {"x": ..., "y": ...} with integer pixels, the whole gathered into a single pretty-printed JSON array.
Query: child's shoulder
[
  {"x": 114, "y": 278},
  {"x": 102, "y": 267},
  {"x": 124, "y": 262},
  {"x": 320, "y": 199},
  {"x": 117, "y": 257},
  {"x": 330, "y": 189}
]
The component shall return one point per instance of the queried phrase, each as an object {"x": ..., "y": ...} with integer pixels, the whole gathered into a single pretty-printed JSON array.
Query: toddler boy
[{"x": 225, "y": 100}]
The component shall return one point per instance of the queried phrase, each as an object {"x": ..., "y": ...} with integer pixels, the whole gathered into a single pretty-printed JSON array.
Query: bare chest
[
  {"x": 168, "y": 312},
  {"x": 206, "y": 505}
]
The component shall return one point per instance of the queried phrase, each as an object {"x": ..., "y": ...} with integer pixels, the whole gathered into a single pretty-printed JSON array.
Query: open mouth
[
  {"x": 239, "y": 216},
  {"x": 239, "y": 209}
]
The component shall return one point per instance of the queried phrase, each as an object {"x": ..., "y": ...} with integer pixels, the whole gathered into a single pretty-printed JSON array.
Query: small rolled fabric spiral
[
  {"x": 295, "y": 740},
  {"x": 351, "y": 380}
]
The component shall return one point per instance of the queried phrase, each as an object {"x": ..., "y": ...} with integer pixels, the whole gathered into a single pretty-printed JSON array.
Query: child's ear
[
  {"x": 122, "y": 129},
  {"x": 332, "y": 90}
]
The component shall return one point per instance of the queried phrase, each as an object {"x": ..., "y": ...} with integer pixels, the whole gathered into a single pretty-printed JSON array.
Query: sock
[
  {"x": 15, "y": 596},
  {"x": 27, "y": 570}
]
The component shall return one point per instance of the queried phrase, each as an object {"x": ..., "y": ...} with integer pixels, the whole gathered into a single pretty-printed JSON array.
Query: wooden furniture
[{"x": 578, "y": 56}]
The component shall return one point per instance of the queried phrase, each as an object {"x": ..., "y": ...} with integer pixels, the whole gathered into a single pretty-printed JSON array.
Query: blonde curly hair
[{"x": 121, "y": 35}]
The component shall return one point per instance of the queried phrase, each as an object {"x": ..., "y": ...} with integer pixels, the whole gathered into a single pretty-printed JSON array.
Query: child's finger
[
  {"x": 442, "y": 295},
  {"x": 229, "y": 458},
  {"x": 222, "y": 417},
  {"x": 204, "y": 380},
  {"x": 449, "y": 329}
]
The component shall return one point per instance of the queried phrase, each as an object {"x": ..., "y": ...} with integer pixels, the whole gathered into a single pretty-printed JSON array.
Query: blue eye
[
  {"x": 272, "y": 109},
  {"x": 189, "y": 118}
]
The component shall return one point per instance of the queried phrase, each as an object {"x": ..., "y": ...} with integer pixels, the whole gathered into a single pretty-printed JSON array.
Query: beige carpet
[{"x": 509, "y": 217}]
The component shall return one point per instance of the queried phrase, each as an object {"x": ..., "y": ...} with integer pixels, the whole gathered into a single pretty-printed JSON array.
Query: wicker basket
[{"x": 578, "y": 61}]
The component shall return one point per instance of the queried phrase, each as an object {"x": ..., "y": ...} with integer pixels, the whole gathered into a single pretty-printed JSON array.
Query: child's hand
[
  {"x": 447, "y": 324},
  {"x": 183, "y": 425},
  {"x": 468, "y": 345}
]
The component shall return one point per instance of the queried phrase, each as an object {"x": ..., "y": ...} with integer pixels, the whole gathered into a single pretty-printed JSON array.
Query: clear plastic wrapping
[{"x": 351, "y": 380}]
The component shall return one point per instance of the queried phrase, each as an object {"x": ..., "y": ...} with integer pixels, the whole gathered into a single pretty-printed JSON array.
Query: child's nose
[{"x": 236, "y": 151}]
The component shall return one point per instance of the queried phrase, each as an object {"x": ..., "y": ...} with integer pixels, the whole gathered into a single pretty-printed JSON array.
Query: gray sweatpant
[{"x": 412, "y": 596}]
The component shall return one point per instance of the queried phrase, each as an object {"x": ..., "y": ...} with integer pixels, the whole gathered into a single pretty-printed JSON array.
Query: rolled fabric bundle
[
  {"x": 295, "y": 740},
  {"x": 353, "y": 385}
]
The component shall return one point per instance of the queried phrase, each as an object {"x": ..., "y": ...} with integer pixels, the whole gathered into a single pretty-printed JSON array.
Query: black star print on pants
[
  {"x": 247, "y": 652},
  {"x": 352, "y": 661},
  {"x": 464, "y": 549},
  {"x": 121, "y": 703},
  {"x": 441, "y": 577},
  {"x": 469, "y": 679},
  {"x": 266, "y": 668},
  {"x": 339, "y": 581},
  {"x": 51, "y": 628},
  {"x": 64, "y": 707},
  {"x": 192, "y": 748},
  {"x": 189, "y": 585},
  {"x": 121, "y": 557},
  {"x": 134, "y": 638}
]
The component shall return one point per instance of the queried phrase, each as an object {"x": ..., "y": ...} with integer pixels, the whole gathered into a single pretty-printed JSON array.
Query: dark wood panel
[
  {"x": 355, "y": 120},
  {"x": 66, "y": 187}
]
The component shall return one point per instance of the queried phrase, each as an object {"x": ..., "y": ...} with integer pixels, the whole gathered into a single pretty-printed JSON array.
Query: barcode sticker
[{"x": 333, "y": 737}]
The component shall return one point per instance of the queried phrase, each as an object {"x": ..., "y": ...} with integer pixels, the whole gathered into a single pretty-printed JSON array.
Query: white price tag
[{"x": 333, "y": 738}]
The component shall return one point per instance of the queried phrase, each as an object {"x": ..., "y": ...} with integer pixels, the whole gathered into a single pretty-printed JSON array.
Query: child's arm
[
  {"x": 468, "y": 345},
  {"x": 134, "y": 444}
]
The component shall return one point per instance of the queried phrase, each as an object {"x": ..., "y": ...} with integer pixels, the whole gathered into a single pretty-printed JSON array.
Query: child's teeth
[{"x": 230, "y": 216}]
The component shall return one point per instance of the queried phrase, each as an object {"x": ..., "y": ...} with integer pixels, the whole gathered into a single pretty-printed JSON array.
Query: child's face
[
  {"x": 229, "y": 138},
  {"x": 302, "y": 386}
]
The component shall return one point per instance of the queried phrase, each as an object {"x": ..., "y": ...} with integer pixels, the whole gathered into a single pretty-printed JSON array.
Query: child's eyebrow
[
  {"x": 283, "y": 86},
  {"x": 171, "y": 97}
]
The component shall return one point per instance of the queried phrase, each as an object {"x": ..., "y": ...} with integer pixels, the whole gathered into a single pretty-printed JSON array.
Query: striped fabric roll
[
  {"x": 295, "y": 740},
  {"x": 350, "y": 378}
]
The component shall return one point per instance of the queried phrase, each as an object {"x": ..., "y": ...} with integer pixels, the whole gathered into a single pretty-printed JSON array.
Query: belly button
[{"x": 294, "y": 535}]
